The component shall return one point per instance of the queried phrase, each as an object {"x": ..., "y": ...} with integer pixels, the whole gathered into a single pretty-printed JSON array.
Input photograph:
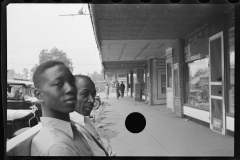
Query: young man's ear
[{"x": 37, "y": 94}]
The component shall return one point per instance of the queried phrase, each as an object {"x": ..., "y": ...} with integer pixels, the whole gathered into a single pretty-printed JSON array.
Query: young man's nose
[{"x": 70, "y": 88}]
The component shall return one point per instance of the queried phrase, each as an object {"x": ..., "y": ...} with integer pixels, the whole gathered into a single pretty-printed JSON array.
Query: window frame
[{"x": 176, "y": 68}]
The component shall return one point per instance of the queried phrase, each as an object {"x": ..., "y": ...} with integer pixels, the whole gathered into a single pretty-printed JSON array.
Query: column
[
  {"x": 131, "y": 82},
  {"x": 127, "y": 83}
]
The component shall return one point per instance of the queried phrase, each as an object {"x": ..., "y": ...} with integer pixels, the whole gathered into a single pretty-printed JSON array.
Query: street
[{"x": 164, "y": 135}]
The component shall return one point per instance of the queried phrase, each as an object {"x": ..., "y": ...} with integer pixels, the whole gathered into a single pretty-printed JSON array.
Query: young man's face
[
  {"x": 58, "y": 90},
  {"x": 86, "y": 93}
]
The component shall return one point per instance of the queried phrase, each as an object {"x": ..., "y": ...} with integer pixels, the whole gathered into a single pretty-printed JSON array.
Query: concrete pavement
[{"x": 164, "y": 135}]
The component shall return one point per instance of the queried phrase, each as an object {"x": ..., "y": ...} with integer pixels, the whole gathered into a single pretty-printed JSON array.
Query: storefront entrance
[
  {"x": 169, "y": 66},
  {"x": 216, "y": 60},
  {"x": 159, "y": 82}
]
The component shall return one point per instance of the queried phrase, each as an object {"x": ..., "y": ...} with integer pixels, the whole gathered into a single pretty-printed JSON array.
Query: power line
[
  {"x": 41, "y": 45},
  {"x": 73, "y": 64},
  {"x": 64, "y": 50},
  {"x": 80, "y": 54}
]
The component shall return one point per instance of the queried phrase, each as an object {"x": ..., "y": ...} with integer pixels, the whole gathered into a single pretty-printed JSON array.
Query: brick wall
[{"x": 178, "y": 58}]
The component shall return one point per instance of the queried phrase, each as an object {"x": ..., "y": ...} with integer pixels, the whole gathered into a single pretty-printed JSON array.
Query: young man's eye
[{"x": 59, "y": 84}]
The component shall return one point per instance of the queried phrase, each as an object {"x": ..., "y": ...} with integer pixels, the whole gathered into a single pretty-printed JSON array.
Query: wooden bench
[{"x": 21, "y": 144}]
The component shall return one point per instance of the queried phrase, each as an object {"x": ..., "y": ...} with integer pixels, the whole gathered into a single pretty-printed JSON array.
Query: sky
[{"x": 33, "y": 27}]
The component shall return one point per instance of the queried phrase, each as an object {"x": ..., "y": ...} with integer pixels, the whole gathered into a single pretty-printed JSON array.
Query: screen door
[{"x": 217, "y": 107}]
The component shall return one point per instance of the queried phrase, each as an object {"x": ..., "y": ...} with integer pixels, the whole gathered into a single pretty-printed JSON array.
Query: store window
[
  {"x": 197, "y": 85},
  {"x": 176, "y": 79},
  {"x": 169, "y": 75},
  {"x": 232, "y": 70}
]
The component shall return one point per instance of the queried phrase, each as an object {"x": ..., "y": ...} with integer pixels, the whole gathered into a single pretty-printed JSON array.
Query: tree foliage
[
  {"x": 25, "y": 72},
  {"x": 54, "y": 54},
  {"x": 200, "y": 72},
  {"x": 34, "y": 68},
  {"x": 95, "y": 76}
]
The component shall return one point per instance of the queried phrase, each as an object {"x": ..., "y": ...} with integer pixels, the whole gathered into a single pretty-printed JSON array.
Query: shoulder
[
  {"x": 49, "y": 139},
  {"x": 61, "y": 149},
  {"x": 42, "y": 142}
]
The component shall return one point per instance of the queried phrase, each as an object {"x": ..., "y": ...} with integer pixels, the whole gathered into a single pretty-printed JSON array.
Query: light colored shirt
[
  {"x": 59, "y": 138},
  {"x": 85, "y": 122}
]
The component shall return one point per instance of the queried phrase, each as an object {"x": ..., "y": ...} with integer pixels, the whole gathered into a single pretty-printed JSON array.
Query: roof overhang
[{"x": 129, "y": 34}]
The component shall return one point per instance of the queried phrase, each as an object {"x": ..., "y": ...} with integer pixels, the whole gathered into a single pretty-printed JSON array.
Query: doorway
[{"x": 217, "y": 104}]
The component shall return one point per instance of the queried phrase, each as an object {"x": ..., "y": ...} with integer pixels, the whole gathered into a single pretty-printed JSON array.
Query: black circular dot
[{"x": 135, "y": 122}]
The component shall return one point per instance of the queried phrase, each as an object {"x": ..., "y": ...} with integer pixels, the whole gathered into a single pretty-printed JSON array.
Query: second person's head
[{"x": 86, "y": 93}]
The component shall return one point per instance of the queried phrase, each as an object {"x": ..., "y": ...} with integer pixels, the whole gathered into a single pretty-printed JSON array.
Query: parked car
[
  {"x": 19, "y": 121},
  {"x": 21, "y": 96},
  {"x": 23, "y": 109}
]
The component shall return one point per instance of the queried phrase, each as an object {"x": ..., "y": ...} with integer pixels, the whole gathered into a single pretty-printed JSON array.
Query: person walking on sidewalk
[
  {"x": 122, "y": 88},
  {"x": 107, "y": 90},
  {"x": 117, "y": 89},
  {"x": 85, "y": 102}
]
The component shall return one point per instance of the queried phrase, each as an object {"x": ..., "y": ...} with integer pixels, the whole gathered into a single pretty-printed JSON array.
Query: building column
[
  {"x": 150, "y": 83},
  {"x": 127, "y": 83},
  {"x": 131, "y": 82},
  {"x": 145, "y": 86},
  {"x": 137, "y": 86},
  {"x": 178, "y": 48}
]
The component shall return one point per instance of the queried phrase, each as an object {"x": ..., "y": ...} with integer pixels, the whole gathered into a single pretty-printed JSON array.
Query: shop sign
[
  {"x": 196, "y": 45},
  {"x": 192, "y": 58},
  {"x": 217, "y": 123},
  {"x": 175, "y": 66}
]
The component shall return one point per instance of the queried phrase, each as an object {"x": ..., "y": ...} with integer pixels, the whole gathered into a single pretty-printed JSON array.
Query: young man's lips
[{"x": 71, "y": 100}]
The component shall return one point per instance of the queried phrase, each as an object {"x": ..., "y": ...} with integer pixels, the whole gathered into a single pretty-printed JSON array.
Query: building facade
[{"x": 194, "y": 77}]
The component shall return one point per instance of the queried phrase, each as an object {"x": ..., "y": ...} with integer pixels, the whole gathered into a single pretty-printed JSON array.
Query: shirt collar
[
  {"x": 78, "y": 118},
  {"x": 58, "y": 124}
]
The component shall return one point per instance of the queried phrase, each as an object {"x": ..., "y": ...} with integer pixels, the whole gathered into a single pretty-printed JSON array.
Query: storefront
[
  {"x": 169, "y": 79},
  {"x": 209, "y": 64}
]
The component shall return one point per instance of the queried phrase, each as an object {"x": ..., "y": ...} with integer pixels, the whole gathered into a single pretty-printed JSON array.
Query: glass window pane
[
  {"x": 216, "y": 90},
  {"x": 176, "y": 84},
  {"x": 217, "y": 114},
  {"x": 232, "y": 70},
  {"x": 197, "y": 85},
  {"x": 216, "y": 60},
  {"x": 169, "y": 75}
]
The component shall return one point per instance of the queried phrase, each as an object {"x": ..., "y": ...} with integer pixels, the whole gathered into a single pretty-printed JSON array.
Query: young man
[
  {"x": 85, "y": 102},
  {"x": 56, "y": 91}
]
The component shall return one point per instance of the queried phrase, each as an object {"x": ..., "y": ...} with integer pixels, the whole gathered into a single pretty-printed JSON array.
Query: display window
[
  {"x": 231, "y": 49},
  {"x": 197, "y": 84},
  {"x": 176, "y": 80},
  {"x": 169, "y": 75}
]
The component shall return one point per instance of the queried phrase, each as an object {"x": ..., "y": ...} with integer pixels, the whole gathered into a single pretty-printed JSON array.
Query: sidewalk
[{"x": 164, "y": 135}]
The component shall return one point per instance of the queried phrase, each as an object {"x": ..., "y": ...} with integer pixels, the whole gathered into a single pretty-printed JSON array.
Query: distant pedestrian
[
  {"x": 117, "y": 89},
  {"x": 122, "y": 88},
  {"x": 107, "y": 90}
]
